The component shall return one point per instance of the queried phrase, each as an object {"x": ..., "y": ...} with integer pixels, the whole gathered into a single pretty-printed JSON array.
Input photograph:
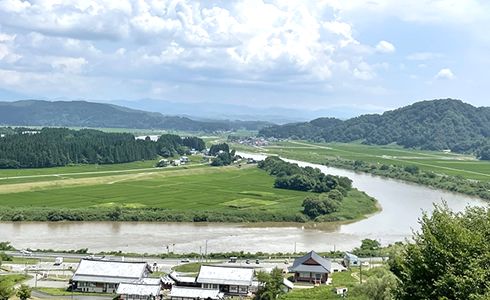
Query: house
[
  {"x": 176, "y": 162},
  {"x": 311, "y": 268},
  {"x": 229, "y": 280},
  {"x": 144, "y": 289},
  {"x": 187, "y": 293},
  {"x": 102, "y": 276},
  {"x": 351, "y": 260},
  {"x": 184, "y": 160}
]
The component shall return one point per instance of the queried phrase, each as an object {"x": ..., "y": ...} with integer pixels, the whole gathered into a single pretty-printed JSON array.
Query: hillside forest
[{"x": 446, "y": 124}]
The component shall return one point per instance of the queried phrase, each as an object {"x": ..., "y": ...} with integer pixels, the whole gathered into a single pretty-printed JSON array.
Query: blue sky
[{"x": 368, "y": 55}]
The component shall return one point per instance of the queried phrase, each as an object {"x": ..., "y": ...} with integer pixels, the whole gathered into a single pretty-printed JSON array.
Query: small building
[
  {"x": 176, "y": 162},
  {"x": 340, "y": 290},
  {"x": 147, "y": 288},
  {"x": 229, "y": 280},
  {"x": 102, "y": 276},
  {"x": 187, "y": 293},
  {"x": 351, "y": 260},
  {"x": 311, "y": 268},
  {"x": 184, "y": 160}
]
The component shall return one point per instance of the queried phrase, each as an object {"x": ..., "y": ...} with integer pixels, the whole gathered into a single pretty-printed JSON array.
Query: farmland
[
  {"x": 438, "y": 162},
  {"x": 245, "y": 193}
]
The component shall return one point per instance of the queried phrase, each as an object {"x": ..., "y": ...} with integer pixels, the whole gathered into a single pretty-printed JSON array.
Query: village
[{"x": 132, "y": 279}]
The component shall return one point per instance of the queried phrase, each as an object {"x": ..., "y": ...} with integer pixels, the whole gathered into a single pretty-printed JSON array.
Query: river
[{"x": 402, "y": 205}]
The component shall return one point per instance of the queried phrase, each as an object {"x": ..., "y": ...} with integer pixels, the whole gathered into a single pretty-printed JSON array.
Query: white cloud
[
  {"x": 385, "y": 47},
  {"x": 423, "y": 56},
  {"x": 445, "y": 74},
  {"x": 422, "y": 65},
  {"x": 364, "y": 72}
]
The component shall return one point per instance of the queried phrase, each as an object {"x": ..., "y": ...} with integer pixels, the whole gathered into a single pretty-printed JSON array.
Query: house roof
[
  {"x": 179, "y": 278},
  {"x": 350, "y": 256},
  {"x": 138, "y": 288},
  {"x": 186, "y": 292},
  {"x": 288, "y": 284},
  {"x": 225, "y": 275},
  {"x": 302, "y": 264},
  {"x": 110, "y": 271}
]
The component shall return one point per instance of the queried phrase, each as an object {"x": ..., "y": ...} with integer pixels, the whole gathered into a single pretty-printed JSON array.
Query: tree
[
  {"x": 24, "y": 292},
  {"x": 269, "y": 284},
  {"x": 380, "y": 286},
  {"x": 6, "y": 289},
  {"x": 448, "y": 258}
]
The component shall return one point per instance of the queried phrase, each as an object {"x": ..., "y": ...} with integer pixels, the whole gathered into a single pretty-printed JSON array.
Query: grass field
[
  {"x": 438, "y": 162},
  {"x": 201, "y": 189}
]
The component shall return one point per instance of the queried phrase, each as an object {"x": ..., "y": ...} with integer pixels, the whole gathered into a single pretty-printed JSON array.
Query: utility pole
[
  {"x": 206, "y": 251},
  {"x": 360, "y": 273}
]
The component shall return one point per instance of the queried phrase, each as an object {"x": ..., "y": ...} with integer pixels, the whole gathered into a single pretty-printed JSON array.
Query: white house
[
  {"x": 229, "y": 280},
  {"x": 188, "y": 293},
  {"x": 101, "y": 276}
]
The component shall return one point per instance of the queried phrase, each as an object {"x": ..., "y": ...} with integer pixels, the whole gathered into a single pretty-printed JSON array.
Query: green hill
[
  {"x": 99, "y": 115},
  {"x": 431, "y": 125}
]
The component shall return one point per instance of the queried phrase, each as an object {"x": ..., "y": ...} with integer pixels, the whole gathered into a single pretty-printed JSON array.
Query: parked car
[
  {"x": 257, "y": 261},
  {"x": 25, "y": 252},
  {"x": 366, "y": 263},
  {"x": 185, "y": 260},
  {"x": 247, "y": 261}
]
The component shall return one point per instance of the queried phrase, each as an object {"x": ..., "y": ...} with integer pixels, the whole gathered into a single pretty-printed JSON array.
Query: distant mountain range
[
  {"x": 220, "y": 111},
  {"x": 433, "y": 125},
  {"x": 100, "y": 115}
]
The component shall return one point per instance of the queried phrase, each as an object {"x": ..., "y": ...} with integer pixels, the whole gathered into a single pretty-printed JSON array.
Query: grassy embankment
[{"x": 170, "y": 194}]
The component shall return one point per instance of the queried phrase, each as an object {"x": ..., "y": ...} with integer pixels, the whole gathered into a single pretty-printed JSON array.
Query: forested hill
[
  {"x": 98, "y": 115},
  {"x": 432, "y": 125}
]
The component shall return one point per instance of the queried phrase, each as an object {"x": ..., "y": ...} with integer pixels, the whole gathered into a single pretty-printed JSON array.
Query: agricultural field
[
  {"x": 438, "y": 162},
  {"x": 229, "y": 189}
]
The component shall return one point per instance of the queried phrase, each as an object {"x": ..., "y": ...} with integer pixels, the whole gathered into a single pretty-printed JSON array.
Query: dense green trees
[
  {"x": 432, "y": 125},
  {"x": 449, "y": 257},
  {"x": 53, "y": 147},
  {"x": 293, "y": 177},
  {"x": 223, "y": 154}
]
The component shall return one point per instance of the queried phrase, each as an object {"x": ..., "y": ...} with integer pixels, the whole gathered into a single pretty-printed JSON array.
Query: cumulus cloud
[
  {"x": 156, "y": 44},
  {"x": 385, "y": 47},
  {"x": 445, "y": 74}
]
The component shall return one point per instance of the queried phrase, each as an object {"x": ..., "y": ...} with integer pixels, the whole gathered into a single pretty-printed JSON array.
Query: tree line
[{"x": 56, "y": 147}]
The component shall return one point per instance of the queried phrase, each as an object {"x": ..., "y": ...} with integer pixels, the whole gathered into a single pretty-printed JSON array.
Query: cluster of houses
[{"x": 131, "y": 280}]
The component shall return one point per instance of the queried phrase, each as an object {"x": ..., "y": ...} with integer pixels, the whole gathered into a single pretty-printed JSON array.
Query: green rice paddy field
[
  {"x": 439, "y": 162},
  {"x": 205, "y": 189}
]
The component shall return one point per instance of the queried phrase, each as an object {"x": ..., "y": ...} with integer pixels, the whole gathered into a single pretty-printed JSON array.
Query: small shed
[{"x": 340, "y": 290}]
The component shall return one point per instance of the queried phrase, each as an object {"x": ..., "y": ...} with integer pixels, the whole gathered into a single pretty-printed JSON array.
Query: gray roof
[
  {"x": 179, "y": 278},
  {"x": 110, "y": 271},
  {"x": 323, "y": 265},
  {"x": 350, "y": 256},
  {"x": 225, "y": 275},
  {"x": 138, "y": 288},
  {"x": 187, "y": 292},
  {"x": 167, "y": 280}
]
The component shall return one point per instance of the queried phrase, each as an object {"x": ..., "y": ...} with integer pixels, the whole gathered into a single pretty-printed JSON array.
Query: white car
[
  {"x": 25, "y": 252},
  {"x": 366, "y": 263}
]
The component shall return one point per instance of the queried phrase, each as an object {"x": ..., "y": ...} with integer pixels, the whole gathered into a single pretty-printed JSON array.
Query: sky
[{"x": 369, "y": 55}]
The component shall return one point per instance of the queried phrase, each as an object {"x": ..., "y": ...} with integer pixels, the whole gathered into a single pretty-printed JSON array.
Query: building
[
  {"x": 311, "y": 268},
  {"x": 229, "y": 280},
  {"x": 102, "y": 276},
  {"x": 147, "y": 288},
  {"x": 187, "y": 293},
  {"x": 351, "y": 260}
]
